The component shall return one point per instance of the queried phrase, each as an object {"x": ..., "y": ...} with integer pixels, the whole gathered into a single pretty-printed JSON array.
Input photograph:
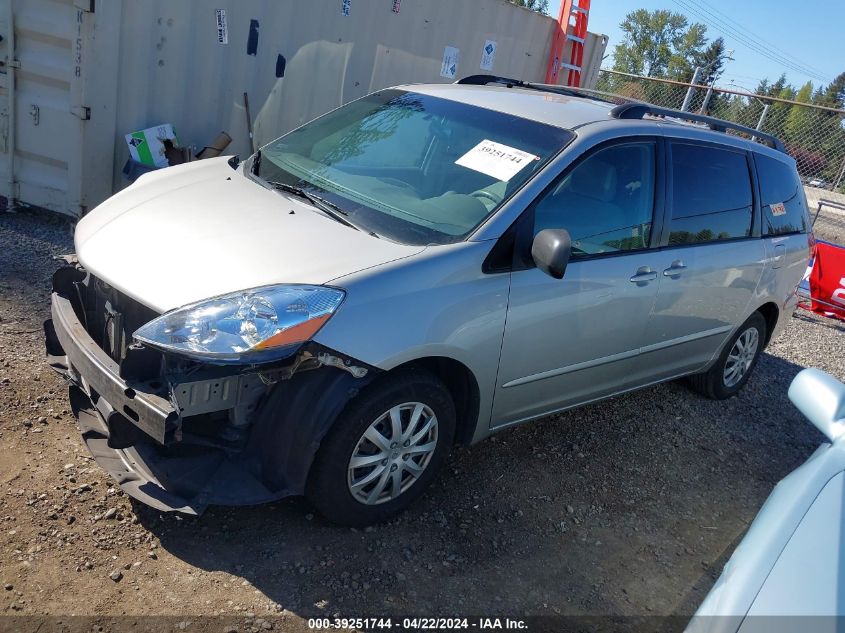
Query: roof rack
[
  {"x": 638, "y": 110},
  {"x": 629, "y": 109},
  {"x": 483, "y": 80}
]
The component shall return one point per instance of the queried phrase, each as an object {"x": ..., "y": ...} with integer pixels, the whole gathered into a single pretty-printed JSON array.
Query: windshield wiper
[{"x": 329, "y": 208}]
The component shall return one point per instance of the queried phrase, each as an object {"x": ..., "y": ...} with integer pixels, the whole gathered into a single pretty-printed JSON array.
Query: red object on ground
[{"x": 827, "y": 280}]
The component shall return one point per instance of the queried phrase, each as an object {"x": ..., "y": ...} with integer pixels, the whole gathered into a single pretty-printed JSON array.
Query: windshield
[{"x": 413, "y": 168}]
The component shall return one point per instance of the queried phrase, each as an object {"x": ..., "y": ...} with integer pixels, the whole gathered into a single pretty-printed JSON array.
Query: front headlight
[{"x": 247, "y": 326}]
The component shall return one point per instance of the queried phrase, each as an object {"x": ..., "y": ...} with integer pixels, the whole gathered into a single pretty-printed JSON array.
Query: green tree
[
  {"x": 834, "y": 95},
  {"x": 712, "y": 59},
  {"x": 747, "y": 111},
  {"x": 766, "y": 89},
  {"x": 800, "y": 121},
  {"x": 813, "y": 136},
  {"x": 779, "y": 112},
  {"x": 659, "y": 43},
  {"x": 540, "y": 6},
  {"x": 831, "y": 129},
  {"x": 682, "y": 64},
  {"x": 739, "y": 110},
  {"x": 762, "y": 87}
]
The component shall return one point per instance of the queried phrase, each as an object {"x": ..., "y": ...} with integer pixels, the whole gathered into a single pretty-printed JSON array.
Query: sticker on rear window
[
  {"x": 777, "y": 208},
  {"x": 496, "y": 160}
]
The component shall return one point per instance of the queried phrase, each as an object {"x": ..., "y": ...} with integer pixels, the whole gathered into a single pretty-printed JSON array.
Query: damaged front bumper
[{"x": 223, "y": 436}]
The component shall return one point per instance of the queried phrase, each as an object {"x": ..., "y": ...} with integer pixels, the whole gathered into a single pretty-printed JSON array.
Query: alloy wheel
[
  {"x": 741, "y": 357},
  {"x": 392, "y": 453}
]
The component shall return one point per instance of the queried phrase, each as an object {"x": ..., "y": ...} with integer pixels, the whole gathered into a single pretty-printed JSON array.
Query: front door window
[{"x": 605, "y": 202}]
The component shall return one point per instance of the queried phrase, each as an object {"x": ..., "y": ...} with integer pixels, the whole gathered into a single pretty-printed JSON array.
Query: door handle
[
  {"x": 644, "y": 275},
  {"x": 674, "y": 271}
]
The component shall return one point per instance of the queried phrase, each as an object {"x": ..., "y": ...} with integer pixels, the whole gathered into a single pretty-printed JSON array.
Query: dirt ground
[{"x": 626, "y": 507}]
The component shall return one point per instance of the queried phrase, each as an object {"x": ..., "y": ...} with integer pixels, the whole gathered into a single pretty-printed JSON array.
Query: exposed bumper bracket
[
  {"x": 135, "y": 432},
  {"x": 99, "y": 375}
]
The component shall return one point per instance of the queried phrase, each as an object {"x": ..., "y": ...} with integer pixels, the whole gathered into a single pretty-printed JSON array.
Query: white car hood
[{"x": 203, "y": 229}]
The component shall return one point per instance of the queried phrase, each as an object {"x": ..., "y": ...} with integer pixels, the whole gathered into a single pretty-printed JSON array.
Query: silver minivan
[{"x": 423, "y": 266}]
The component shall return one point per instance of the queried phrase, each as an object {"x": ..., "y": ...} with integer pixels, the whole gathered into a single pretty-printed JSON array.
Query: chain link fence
[{"x": 813, "y": 135}]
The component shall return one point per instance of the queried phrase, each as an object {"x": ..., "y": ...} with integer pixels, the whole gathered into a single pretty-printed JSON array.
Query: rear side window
[
  {"x": 782, "y": 197},
  {"x": 711, "y": 195}
]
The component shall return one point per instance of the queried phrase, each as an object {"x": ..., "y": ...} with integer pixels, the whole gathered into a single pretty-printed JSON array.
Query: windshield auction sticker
[{"x": 496, "y": 160}]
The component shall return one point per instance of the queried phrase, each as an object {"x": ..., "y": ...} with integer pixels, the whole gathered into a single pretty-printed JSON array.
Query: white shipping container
[{"x": 79, "y": 74}]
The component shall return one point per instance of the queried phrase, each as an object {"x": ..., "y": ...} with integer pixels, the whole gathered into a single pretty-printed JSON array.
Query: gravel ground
[
  {"x": 626, "y": 507},
  {"x": 830, "y": 228}
]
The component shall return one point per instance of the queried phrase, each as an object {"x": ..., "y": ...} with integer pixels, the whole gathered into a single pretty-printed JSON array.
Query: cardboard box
[{"x": 147, "y": 147}]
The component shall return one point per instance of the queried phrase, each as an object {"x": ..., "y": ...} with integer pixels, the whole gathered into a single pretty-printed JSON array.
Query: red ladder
[{"x": 568, "y": 10}]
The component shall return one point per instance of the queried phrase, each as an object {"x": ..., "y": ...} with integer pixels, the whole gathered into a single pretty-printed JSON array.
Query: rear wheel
[
  {"x": 736, "y": 362},
  {"x": 383, "y": 450}
]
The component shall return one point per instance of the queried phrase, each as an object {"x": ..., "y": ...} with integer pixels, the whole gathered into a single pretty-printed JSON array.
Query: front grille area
[
  {"x": 225, "y": 400},
  {"x": 110, "y": 317}
]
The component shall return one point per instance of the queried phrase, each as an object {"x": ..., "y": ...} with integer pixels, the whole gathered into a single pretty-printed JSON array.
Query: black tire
[
  {"x": 712, "y": 382},
  {"x": 328, "y": 486}
]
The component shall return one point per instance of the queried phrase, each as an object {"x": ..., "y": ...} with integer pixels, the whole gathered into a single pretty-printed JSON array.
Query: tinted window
[
  {"x": 605, "y": 202},
  {"x": 711, "y": 195},
  {"x": 782, "y": 197}
]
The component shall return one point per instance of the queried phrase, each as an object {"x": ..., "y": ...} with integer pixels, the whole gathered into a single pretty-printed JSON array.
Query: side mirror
[
  {"x": 550, "y": 250},
  {"x": 821, "y": 398}
]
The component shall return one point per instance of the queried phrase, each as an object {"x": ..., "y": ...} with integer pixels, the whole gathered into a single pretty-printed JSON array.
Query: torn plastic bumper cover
[{"x": 168, "y": 447}]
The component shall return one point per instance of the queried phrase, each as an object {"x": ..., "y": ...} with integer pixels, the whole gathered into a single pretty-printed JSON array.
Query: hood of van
[{"x": 203, "y": 229}]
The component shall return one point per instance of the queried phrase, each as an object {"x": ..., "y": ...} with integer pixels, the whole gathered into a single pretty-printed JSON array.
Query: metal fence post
[
  {"x": 688, "y": 97},
  {"x": 706, "y": 100},
  {"x": 762, "y": 120},
  {"x": 840, "y": 176}
]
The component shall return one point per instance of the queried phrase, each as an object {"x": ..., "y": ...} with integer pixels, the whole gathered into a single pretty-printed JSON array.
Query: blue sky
[{"x": 807, "y": 32}]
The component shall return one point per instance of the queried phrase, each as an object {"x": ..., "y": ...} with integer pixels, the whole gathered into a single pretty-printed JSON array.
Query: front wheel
[
  {"x": 736, "y": 362},
  {"x": 383, "y": 450}
]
